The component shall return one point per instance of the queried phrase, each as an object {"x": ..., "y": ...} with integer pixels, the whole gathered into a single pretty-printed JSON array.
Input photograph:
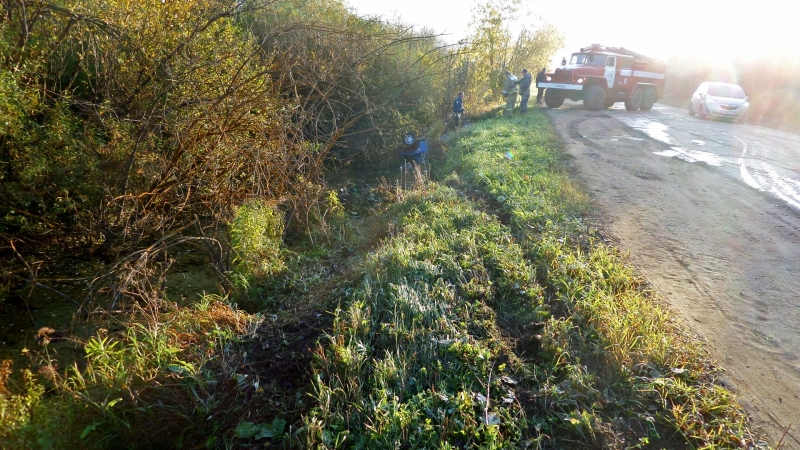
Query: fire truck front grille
[{"x": 562, "y": 76}]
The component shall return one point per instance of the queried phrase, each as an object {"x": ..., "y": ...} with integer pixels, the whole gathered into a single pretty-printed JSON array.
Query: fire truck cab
[{"x": 602, "y": 76}]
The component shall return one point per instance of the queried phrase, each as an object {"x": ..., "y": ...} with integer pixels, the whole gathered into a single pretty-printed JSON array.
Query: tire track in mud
[{"x": 575, "y": 134}]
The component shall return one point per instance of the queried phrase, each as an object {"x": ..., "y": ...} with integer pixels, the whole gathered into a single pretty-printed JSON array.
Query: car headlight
[
  {"x": 710, "y": 102},
  {"x": 745, "y": 105}
]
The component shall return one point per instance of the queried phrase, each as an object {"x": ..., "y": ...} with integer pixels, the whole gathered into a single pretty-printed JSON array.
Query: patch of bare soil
[
  {"x": 723, "y": 255},
  {"x": 280, "y": 358}
]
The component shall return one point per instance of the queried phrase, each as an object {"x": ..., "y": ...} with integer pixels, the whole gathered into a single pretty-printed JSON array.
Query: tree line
[
  {"x": 123, "y": 122},
  {"x": 134, "y": 132}
]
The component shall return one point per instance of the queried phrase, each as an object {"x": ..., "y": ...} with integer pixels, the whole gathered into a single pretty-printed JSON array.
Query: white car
[{"x": 724, "y": 100}]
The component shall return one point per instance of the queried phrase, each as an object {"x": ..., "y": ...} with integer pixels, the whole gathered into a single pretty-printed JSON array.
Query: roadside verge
[{"x": 495, "y": 316}]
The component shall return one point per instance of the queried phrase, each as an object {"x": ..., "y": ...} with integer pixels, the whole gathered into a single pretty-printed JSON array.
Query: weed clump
[{"x": 166, "y": 377}]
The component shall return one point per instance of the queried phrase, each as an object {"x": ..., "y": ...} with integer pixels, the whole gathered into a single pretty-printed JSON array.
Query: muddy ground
[{"x": 710, "y": 214}]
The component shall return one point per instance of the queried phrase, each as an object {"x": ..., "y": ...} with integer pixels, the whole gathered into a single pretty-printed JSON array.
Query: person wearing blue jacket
[
  {"x": 458, "y": 109},
  {"x": 458, "y": 103}
]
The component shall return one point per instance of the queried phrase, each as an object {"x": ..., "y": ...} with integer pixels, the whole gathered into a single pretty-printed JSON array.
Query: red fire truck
[{"x": 602, "y": 76}]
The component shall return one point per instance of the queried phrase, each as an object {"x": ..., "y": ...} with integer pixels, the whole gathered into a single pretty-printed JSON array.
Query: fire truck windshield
[{"x": 588, "y": 58}]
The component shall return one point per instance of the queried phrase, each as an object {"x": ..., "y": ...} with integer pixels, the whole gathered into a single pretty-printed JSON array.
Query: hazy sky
[{"x": 661, "y": 29}]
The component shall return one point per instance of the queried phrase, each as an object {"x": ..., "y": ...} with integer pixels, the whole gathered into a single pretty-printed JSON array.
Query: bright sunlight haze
[{"x": 709, "y": 28}]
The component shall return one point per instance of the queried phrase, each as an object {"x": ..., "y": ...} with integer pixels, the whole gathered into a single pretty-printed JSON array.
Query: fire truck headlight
[
  {"x": 548, "y": 78},
  {"x": 580, "y": 80}
]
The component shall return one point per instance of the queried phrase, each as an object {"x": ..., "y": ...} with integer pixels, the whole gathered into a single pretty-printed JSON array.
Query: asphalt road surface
[{"x": 709, "y": 212}]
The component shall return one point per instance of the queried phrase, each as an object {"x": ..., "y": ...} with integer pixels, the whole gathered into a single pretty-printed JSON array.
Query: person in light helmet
[{"x": 510, "y": 90}]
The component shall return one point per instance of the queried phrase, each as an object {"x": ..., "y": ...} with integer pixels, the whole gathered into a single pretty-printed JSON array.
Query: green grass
[
  {"x": 149, "y": 383},
  {"x": 480, "y": 311},
  {"x": 640, "y": 359},
  {"x": 414, "y": 356},
  {"x": 426, "y": 352}
]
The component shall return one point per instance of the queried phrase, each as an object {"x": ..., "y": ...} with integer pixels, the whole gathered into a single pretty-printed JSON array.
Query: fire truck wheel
[
  {"x": 648, "y": 99},
  {"x": 594, "y": 98},
  {"x": 553, "y": 98},
  {"x": 608, "y": 103},
  {"x": 635, "y": 102}
]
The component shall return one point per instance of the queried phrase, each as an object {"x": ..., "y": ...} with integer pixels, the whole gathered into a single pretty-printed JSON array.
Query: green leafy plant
[
  {"x": 256, "y": 431},
  {"x": 256, "y": 237}
]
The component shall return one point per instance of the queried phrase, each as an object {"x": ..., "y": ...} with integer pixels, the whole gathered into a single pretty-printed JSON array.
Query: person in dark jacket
[
  {"x": 540, "y": 78},
  {"x": 524, "y": 90},
  {"x": 458, "y": 103},
  {"x": 458, "y": 109}
]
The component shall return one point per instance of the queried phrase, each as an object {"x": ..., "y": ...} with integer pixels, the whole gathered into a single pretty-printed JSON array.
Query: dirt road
[{"x": 710, "y": 214}]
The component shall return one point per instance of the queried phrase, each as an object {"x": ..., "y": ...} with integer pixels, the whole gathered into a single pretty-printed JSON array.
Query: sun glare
[{"x": 718, "y": 31}]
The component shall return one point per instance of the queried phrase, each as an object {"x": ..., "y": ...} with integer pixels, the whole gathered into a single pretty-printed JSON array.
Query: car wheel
[{"x": 594, "y": 98}]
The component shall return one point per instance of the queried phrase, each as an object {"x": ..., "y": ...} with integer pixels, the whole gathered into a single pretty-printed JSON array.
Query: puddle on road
[
  {"x": 692, "y": 156},
  {"x": 764, "y": 177},
  {"x": 617, "y": 138},
  {"x": 655, "y": 130},
  {"x": 658, "y": 131},
  {"x": 747, "y": 177}
]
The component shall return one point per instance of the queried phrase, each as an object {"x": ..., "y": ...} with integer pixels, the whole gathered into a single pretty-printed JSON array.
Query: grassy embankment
[
  {"x": 492, "y": 316},
  {"x": 506, "y": 321}
]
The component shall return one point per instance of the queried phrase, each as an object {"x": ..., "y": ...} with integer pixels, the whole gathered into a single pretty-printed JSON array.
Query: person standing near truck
[
  {"x": 524, "y": 91},
  {"x": 510, "y": 90},
  {"x": 540, "y": 78}
]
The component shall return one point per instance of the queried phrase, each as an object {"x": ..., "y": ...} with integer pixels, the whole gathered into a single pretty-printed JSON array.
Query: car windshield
[
  {"x": 588, "y": 58},
  {"x": 725, "y": 90}
]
